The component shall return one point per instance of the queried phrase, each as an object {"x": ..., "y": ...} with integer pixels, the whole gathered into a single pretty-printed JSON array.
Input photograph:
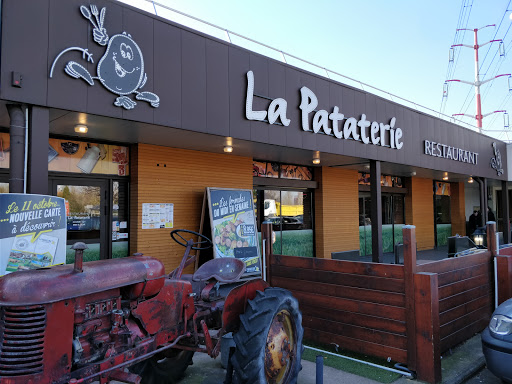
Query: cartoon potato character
[{"x": 120, "y": 70}]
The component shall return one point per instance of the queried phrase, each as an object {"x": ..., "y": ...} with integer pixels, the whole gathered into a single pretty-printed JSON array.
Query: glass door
[
  {"x": 365, "y": 224},
  {"x": 393, "y": 219},
  {"x": 87, "y": 213},
  {"x": 291, "y": 215},
  {"x": 442, "y": 213}
]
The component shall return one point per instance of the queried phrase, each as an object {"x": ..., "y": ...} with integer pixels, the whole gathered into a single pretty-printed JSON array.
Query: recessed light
[{"x": 81, "y": 128}]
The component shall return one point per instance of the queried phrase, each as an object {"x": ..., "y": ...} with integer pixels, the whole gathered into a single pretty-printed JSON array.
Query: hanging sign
[
  {"x": 233, "y": 224},
  {"x": 32, "y": 231}
]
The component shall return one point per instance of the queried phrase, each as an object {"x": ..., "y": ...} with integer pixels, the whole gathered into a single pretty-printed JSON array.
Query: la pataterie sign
[{"x": 332, "y": 124}]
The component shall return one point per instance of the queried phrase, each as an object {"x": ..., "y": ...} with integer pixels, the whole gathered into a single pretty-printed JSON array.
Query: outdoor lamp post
[{"x": 478, "y": 237}]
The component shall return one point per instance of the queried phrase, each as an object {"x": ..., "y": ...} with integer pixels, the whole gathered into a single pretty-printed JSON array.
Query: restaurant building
[{"x": 114, "y": 109}]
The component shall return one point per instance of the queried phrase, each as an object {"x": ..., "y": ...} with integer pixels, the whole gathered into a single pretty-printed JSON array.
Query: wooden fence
[{"x": 386, "y": 310}]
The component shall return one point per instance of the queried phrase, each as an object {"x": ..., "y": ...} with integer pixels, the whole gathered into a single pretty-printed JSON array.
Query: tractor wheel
[
  {"x": 269, "y": 341},
  {"x": 164, "y": 368}
]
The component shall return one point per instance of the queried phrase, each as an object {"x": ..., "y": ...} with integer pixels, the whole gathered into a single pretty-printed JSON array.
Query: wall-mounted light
[
  {"x": 316, "y": 158},
  {"x": 470, "y": 180},
  {"x": 228, "y": 145},
  {"x": 367, "y": 167},
  {"x": 413, "y": 173},
  {"x": 81, "y": 128},
  {"x": 445, "y": 177}
]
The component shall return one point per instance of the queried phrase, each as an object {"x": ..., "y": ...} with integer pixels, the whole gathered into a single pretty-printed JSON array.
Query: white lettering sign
[
  {"x": 332, "y": 124},
  {"x": 448, "y": 152},
  {"x": 277, "y": 107}
]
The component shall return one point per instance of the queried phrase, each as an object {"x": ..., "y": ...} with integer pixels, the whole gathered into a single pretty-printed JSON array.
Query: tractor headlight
[{"x": 501, "y": 325}]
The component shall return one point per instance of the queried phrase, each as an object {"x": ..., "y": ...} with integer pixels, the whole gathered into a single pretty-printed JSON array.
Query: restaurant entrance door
[{"x": 87, "y": 212}]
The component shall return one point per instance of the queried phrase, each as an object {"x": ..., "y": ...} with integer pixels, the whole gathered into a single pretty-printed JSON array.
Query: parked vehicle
[
  {"x": 88, "y": 321},
  {"x": 497, "y": 342}
]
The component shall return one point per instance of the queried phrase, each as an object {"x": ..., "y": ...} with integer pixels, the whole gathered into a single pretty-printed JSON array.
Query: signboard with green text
[
  {"x": 32, "y": 231},
  {"x": 233, "y": 224}
]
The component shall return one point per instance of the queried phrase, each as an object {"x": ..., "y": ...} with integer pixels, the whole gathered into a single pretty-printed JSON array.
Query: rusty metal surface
[
  {"x": 223, "y": 269},
  {"x": 236, "y": 302},
  {"x": 279, "y": 348},
  {"x": 48, "y": 285},
  {"x": 166, "y": 310}
]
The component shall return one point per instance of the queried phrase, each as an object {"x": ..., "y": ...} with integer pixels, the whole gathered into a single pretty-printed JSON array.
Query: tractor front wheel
[
  {"x": 164, "y": 368},
  {"x": 269, "y": 341}
]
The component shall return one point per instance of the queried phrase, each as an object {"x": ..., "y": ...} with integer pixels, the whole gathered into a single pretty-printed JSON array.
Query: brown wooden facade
[{"x": 397, "y": 311}]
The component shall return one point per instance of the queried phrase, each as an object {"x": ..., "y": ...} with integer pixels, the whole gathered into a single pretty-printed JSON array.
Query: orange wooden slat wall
[
  {"x": 419, "y": 211},
  {"x": 336, "y": 211},
  {"x": 458, "y": 208},
  {"x": 177, "y": 176}
]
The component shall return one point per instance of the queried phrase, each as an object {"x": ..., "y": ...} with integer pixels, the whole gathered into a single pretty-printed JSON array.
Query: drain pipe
[
  {"x": 404, "y": 372},
  {"x": 17, "y": 131}
]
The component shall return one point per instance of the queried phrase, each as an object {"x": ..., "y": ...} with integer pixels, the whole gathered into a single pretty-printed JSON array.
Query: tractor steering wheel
[{"x": 196, "y": 245}]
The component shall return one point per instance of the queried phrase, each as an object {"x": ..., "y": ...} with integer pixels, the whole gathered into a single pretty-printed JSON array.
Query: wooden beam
[
  {"x": 505, "y": 206},
  {"x": 428, "y": 341},
  {"x": 409, "y": 237},
  {"x": 504, "y": 276}
]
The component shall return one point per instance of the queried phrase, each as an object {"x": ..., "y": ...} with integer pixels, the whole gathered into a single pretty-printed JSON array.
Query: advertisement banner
[
  {"x": 233, "y": 223},
  {"x": 32, "y": 231}
]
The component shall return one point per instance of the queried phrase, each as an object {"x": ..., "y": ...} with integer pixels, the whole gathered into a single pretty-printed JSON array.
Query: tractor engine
[
  {"x": 66, "y": 322},
  {"x": 102, "y": 328}
]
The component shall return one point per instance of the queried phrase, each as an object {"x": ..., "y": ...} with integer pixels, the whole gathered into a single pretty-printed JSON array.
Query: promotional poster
[
  {"x": 233, "y": 223},
  {"x": 32, "y": 231}
]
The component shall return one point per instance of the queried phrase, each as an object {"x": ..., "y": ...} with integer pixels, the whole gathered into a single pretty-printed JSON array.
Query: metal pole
[
  {"x": 319, "y": 369},
  {"x": 477, "y": 86}
]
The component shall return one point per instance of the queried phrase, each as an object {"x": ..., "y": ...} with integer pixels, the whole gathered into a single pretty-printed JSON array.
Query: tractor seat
[{"x": 223, "y": 269}]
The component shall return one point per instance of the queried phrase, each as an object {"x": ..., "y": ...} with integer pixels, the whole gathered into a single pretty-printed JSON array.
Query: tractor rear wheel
[
  {"x": 164, "y": 368},
  {"x": 269, "y": 341}
]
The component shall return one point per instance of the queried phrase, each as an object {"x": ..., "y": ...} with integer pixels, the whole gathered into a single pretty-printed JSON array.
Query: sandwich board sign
[
  {"x": 233, "y": 226},
  {"x": 32, "y": 231}
]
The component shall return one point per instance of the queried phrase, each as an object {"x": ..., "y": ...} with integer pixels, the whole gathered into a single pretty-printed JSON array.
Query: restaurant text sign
[{"x": 332, "y": 124}]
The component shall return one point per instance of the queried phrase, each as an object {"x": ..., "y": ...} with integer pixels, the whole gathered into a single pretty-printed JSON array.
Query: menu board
[
  {"x": 32, "y": 231},
  {"x": 157, "y": 215},
  {"x": 233, "y": 224}
]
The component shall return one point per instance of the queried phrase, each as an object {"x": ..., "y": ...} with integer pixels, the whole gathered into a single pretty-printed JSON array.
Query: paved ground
[
  {"x": 464, "y": 364},
  {"x": 459, "y": 365}
]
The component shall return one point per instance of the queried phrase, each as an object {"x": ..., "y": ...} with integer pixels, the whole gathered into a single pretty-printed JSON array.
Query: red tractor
[{"x": 126, "y": 320}]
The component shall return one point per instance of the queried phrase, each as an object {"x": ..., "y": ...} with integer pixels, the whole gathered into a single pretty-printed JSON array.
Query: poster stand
[
  {"x": 228, "y": 218},
  {"x": 204, "y": 229}
]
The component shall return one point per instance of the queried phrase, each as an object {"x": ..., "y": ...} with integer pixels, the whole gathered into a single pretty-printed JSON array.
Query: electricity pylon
[{"x": 477, "y": 83}]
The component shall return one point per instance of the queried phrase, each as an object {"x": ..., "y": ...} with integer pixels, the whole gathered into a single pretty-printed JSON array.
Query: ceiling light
[
  {"x": 316, "y": 158},
  {"x": 367, "y": 166},
  {"x": 81, "y": 128},
  {"x": 228, "y": 148},
  {"x": 470, "y": 180},
  {"x": 445, "y": 178},
  {"x": 413, "y": 173}
]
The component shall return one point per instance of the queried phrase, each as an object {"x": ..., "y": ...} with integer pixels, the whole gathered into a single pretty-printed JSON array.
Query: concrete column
[
  {"x": 39, "y": 131},
  {"x": 376, "y": 211},
  {"x": 17, "y": 149}
]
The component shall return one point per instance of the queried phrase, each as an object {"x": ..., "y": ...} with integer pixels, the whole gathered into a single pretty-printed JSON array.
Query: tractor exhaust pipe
[{"x": 79, "y": 256}]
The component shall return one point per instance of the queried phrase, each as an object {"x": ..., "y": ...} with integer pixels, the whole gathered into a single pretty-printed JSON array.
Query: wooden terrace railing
[{"x": 411, "y": 313}]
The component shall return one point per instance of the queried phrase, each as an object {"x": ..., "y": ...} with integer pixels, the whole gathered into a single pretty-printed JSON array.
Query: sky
[{"x": 398, "y": 46}]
